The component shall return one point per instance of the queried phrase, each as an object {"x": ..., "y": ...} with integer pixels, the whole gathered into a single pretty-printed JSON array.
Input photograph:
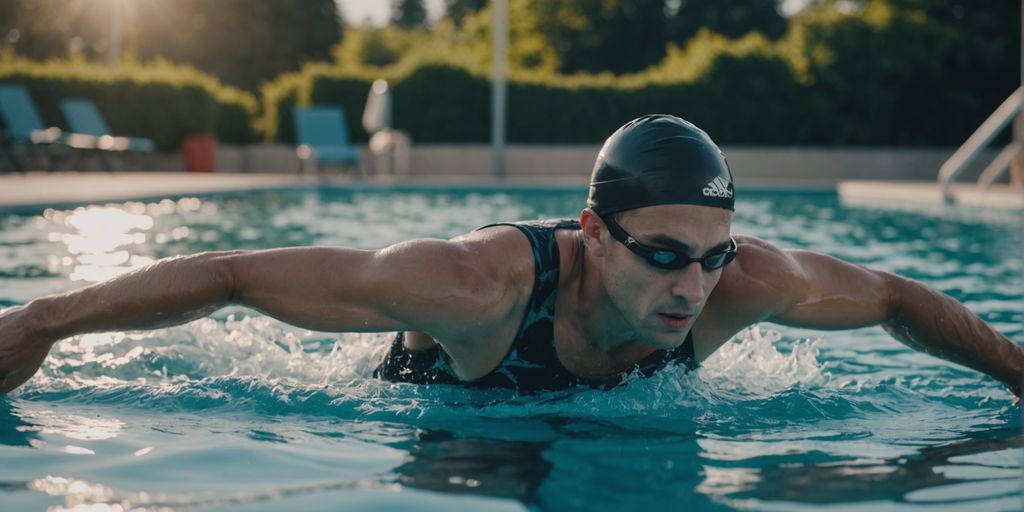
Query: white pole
[
  {"x": 498, "y": 102},
  {"x": 114, "y": 37}
]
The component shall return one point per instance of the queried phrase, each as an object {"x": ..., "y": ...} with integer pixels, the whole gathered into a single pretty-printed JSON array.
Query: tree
[
  {"x": 244, "y": 42},
  {"x": 621, "y": 36},
  {"x": 408, "y": 13},
  {"x": 887, "y": 61},
  {"x": 732, "y": 18},
  {"x": 572, "y": 36},
  {"x": 52, "y": 28},
  {"x": 457, "y": 10}
]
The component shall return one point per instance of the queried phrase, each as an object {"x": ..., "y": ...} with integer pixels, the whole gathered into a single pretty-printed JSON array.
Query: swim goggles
[{"x": 668, "y": 259}]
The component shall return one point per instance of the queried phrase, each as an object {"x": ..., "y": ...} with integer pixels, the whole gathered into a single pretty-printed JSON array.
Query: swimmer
[{"x": 649, "y": 275}]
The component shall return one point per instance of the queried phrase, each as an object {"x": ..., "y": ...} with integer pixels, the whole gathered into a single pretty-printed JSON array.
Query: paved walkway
[
  {"x": 37, "y": 188},
  {"x": 916, "y": 193},
  {"x": 67, "y": 188}
]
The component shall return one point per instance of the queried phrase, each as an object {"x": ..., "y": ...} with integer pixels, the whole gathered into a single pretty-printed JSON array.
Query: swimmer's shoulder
[
  {"x": 761, "y": 272},
  {"x": 752, "y": 288},
  {"x": 504, "y": 254},
  {"x": 507, "y": 243}
]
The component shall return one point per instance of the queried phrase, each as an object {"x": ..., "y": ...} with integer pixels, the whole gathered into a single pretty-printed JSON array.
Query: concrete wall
[
  {"x": 572, "y": 163},
  {"x": 823, "y": 166}
]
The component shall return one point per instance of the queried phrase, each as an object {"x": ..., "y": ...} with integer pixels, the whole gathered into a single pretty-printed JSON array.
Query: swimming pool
[{"x": 241, "y": 412}]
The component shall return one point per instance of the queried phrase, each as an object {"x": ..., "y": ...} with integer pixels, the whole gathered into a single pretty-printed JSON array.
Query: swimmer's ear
[{"x": 592, "y": 227}]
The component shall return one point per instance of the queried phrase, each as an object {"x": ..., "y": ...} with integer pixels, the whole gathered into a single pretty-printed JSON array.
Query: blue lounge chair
[
  {"x": 22, "y": 126},
  {"x": 323, "y": 138},
  {"x": 84, "y": 118}
]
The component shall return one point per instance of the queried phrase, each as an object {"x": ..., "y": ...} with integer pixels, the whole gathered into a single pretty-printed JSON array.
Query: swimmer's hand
[{"x": 22, "y": 348}]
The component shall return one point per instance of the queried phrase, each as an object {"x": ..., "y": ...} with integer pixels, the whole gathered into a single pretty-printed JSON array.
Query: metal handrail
[
  {"x": 977, "y": 141},
  {"x": 999, "y": 164}
]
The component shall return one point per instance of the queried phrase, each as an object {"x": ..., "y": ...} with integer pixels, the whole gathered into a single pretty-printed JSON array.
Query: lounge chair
[
  {"x": 84, "y": 118},
  {"x": 22, "y": 126},
  {"x": 323, "y": 138},
  {"x": 389, "y": 148}
]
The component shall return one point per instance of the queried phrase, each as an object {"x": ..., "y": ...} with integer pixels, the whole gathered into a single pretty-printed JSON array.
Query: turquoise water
[{"x": 241, "y": 412}]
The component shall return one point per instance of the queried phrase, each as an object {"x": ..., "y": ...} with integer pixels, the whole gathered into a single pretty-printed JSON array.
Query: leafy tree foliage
[
  {"x": 41, "y": 29},
  {"x": 731, "y": 18},
  {"x": 457, "y": 10},
  {"x": 243, "y": 42},
  {"x": 408, "y": 13},
  {"x": 620, "y": 36},
  {"x": 896, "y": 60}
]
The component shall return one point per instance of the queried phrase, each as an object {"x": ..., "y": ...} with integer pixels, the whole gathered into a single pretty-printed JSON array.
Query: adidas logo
[{"x": 718, "y": 187}]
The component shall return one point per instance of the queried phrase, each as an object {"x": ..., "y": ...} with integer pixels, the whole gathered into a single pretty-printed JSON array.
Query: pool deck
[
  {"x": 904, "y": 194},
  {"x": 38, "y": 189}
]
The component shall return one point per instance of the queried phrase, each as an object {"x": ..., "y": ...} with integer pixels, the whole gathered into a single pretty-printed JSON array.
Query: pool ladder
[{"x": 977, "y": 142}]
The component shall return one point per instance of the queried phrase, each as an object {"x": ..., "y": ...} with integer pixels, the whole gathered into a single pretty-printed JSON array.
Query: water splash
[{"x": 246, "y": 360}]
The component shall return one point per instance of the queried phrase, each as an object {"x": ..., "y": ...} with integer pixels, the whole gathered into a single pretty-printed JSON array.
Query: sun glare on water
[
  {"x": 102, "y": 242},
  {"x": 97, "y": 241}
]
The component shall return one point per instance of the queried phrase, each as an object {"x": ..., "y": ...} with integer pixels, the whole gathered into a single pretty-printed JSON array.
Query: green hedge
[
  {"x": 445, "y": 103},
  {"x": 874, "y": 77},
  {"x": 163, "y": 102},
  {"x": 278, "y": 97},
  {"x": 901, "y": 81}
]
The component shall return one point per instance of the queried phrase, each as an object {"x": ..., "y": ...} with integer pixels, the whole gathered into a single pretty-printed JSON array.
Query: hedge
[
  {"x": 445, "y": 103},
  {"x": 163, "y": 102},
  {"x": 876, "y": 77}
]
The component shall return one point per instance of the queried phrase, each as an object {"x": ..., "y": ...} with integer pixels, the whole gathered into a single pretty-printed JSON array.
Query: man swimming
[{"x": 648, "y": 276}]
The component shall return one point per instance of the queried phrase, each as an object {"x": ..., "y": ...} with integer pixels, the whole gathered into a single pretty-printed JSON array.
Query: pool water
[{"x": 242, "y": 412}]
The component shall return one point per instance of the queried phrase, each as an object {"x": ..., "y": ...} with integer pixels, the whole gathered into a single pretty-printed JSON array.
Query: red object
[{"x": 198, "y": 152}]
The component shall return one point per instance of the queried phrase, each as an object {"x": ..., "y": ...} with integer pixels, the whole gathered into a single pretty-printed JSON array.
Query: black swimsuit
[{"x": 532, "y": 363}]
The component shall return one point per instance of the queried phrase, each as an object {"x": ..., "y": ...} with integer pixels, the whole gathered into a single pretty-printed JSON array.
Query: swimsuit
[{"x": 532, "y": 363}]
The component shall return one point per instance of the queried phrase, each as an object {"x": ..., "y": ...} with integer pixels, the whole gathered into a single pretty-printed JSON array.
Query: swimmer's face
[{"x": 661, "y": 305}]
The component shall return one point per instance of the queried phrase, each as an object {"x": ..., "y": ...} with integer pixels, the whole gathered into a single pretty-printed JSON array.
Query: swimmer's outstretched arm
[
  {"x": 808, "y": 289},
  {"x": 435, "y": 286}
]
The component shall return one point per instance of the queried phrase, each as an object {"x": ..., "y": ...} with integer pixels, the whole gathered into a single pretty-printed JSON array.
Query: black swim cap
[{"x": 659, "y": 159}]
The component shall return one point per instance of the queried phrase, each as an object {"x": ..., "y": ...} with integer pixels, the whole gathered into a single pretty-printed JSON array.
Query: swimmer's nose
[{"x": 688, "y": 284}]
